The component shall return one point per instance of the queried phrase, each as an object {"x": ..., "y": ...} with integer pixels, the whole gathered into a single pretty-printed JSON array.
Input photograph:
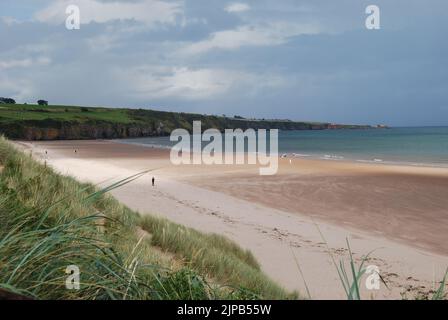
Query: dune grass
[
  {"x": 49, "y": 221},
  {"x": 213, "y": 255}
]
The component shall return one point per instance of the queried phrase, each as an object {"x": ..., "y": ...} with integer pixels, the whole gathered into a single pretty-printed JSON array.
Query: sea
[{"x": 419, "y": 146}]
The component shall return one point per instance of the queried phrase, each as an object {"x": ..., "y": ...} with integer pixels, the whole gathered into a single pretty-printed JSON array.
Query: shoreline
[
  {"x": 321, "y": 157},
  {"x": 253, "y": 211},
  {"x": 343, "y": 160}
]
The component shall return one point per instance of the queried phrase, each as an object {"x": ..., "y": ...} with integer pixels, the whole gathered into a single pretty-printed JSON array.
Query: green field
[{"x": 21, "y": 112}]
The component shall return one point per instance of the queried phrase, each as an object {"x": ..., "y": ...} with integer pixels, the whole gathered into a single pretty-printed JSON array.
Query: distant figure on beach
[{"x": 153, "y": 181}]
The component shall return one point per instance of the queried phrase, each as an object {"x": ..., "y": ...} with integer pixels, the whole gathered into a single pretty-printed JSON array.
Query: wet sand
[
  {"x": 398, "y": 210},
  {"x": 409, "y": 205}
]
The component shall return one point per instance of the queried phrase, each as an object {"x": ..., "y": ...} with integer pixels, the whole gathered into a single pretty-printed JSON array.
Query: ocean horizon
[{"x": 420, "y": 146}]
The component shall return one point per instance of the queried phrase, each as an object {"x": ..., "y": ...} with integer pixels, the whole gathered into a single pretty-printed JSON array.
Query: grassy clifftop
[
  {"x": 31, "y": 122},
  {"x": 49, "y": 222}
]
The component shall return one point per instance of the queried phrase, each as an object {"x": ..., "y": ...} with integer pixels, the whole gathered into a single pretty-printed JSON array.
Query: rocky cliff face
[
  {"x": 79, "y": 131},
  {"x": 72, "y": 130}
]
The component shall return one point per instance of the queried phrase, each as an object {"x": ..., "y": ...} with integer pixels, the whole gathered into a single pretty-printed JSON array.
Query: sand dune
[{"x": 397, "y": 210}]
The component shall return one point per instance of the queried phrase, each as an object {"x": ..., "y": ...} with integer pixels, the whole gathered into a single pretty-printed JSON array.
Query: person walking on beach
[{"x": 153, "y": 181}]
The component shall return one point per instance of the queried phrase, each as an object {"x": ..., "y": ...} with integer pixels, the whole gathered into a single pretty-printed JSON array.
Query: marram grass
[{"x": 49, "y": 222}]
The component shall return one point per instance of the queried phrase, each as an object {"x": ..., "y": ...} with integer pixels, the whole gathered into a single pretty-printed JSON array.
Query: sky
[{"x": 301, "y": 60}]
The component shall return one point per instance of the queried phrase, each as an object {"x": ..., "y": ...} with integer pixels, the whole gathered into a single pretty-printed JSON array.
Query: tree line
[{"x": 12, "y": 101}]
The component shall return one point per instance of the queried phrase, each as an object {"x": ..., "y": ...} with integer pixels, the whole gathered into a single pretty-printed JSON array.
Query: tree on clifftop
[{"x": 7, "y": 101}]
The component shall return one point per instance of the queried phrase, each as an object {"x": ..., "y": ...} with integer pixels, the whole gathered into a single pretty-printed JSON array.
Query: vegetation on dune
[
  {"x": 213, "y": 255},
  {"x": 49, "y": 222},
  {"x": 41, "y": 122}
]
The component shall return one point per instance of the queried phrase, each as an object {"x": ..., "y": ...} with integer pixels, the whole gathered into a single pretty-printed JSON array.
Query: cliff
[{"x": 27, "y": 122}]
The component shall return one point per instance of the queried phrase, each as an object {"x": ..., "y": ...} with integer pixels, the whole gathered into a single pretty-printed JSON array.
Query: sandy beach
[{"x": 398, "y": 211}]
